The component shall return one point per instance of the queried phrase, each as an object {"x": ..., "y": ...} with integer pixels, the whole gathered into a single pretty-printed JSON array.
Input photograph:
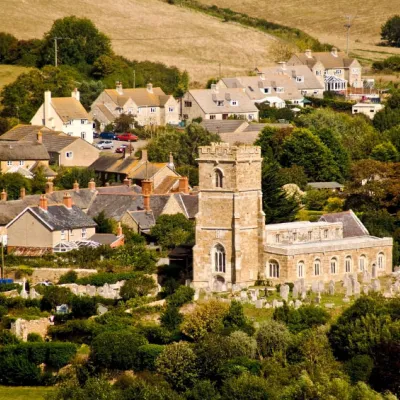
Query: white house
[
  {"x": 65, "y": 114},
  {"x": 368, "y": 109}
]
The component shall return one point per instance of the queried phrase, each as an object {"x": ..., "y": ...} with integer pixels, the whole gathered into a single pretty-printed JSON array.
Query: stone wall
[
  {"x": 54, "y": 274},
  {"x": 22, "y": 328}
]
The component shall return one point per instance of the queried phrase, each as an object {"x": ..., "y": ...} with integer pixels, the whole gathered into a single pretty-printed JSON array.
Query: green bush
[
  {"x": 60, "y": 354},
  {"x": 16, "y": 370},
  {"x": 7, "y": 338},
  {"x": 171, "y": 318},
  {"x": 69, "y": 277},
  {"x": 5, "y": 287},
  {"x": 148, "y": 354},
  {"x": 83, "y": 306},
  {"x": 182, "y": 295},
  {"x": 155, "y": 334},
  {"x": 245, "y": 387},
  {"x": 359, "y": 368},
  {"x": 140, "y": 286},
  {"x": 101, "y": 278},
  {"x": 77, "y": 331},
  {"x": 34, "y": 338}
]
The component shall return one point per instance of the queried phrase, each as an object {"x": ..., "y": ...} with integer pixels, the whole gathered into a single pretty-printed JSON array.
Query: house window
[
  {"x": 130, "y": 110},
  {"x": 355, "y": 111},
  {"x": 21, "y": 162},
  {"x": 219, "y": 259},
  {"x": 315, "y": 92},
  {"x": 299, "y": 78},
  {"x": 273, "y": 269},
  {"x": 294, "y": 236},
  {"x": 69, "y": 155},
  {"x": 171, "y": 109},
  {"x": 83, "y": 121},
  {"x": 83, "y": 233},
  {"x": 250, "y": 117},
  {"x": 362, "y": 263},
  {"x": 317, "y": 267},
  {"x": 71, "y": 233},
  {"x": 188, "y": 104},
  {"x": 267, "y": 90},
  {"x": 355, "y": 71},
  {"x": 63, "y": 234},
  {"x": 326, "y": 233},
  {"x": 318, "y": 72},
  {"x": 219, "y": 179},
  {"x": 310, "y": 235},
  {"x": 280, "y": 90},
  {"x": 381, "y": 261},
  {"x": 338, "y": 71},
  {"x": 234, "y": 103},
  {"x": 277, "y": 238},
  {"x": 334, "y": 266},
  {"x": 139, "y": 110},
  {"x": 304, "y": 92},
  {"x": 347, "y": 264},
  {"x": 152, "y": 110},
  {"x": 9, "y": 163},
  {"x": 83, "y": 135},
  {"x": 220, "y": 103},
  {"x": 300, "y": 269},
  {"x": 213, "y": 116}
]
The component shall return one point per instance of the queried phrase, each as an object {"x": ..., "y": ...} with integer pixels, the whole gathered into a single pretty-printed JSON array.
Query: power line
[{"x": 162, "y": 38}]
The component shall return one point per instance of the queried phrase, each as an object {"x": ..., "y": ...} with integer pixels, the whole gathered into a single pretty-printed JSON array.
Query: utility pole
[
  {"x": 55, "y": 52},
  {"x": 348, "y": 26},
  {"x": 219, "y": 65},
  {"x": 134, "y": 79}
]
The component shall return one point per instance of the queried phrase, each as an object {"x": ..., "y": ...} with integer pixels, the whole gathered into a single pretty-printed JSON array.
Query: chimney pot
[
  {"x": 147, "y": 187},
  {"x": 22, "y": 193},
  {"x": 67, "y": 200},
  {"x": 171, "y": 162},
  {"x": 308, "y": 53},
  {"x": 39, "y": 137},
  {"x": 49, "y": 187},
  {"x": 92, "y": 184},
  {"x": 144, "y": 155},
  {"x": 150, "y": 87},
  {"x": 4, "y": 195},
  {"x": 334, "y": 52},
  {"x": 126, "y": 182},
  {"x": 118, "y": 88},
  {"x": 184, "y": 184},
  {"x": 76, "y": 186},
  {"x": 43, "y": 202},
  {"x": 119, "y": 229},
  {"x": 76, "y": 94}
]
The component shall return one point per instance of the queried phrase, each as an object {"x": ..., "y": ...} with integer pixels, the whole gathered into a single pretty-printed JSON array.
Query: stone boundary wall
[
  {"x": 54, "y": 274},
  {"x": 21, "y": 328}
]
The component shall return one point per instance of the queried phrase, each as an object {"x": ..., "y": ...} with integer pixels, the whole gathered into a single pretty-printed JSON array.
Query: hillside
[
  {"x": 325, "y": 20},
  {"x": 180, "y": 37},
  {"x": 8, "y": 73}
]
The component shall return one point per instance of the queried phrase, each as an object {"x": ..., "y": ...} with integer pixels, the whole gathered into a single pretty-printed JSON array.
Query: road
[{"x": 117, "y": 143}]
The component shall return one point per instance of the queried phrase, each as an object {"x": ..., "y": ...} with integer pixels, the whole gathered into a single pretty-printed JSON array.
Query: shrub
[
  {"x": 203, "y": 390},
  {"x": 34, "y": 337},
  {"x": 5, "y": 287},
  {"x": 236, "y": 320},
  {"x": 60, "y": 354},
  {"x": 242, "y": 345},
  {"x": 272, "y": 338},
  {"x": 245, "y": 387},
  {"x": 171, "y": 318},
  {"x": 54, "y": 296},
  {"x": 117, "y": 350},
  {"x": 155, "y": 334},
  {"x": 83, "y": 306},
  {"x": 17, "y": 370},
  {"x": 182, "y": 295},
  {"x": 177, "y": 363},
  {"x": 101, "y": 278},
  {"x": 77, "y": 331},
  {"x": 359, "y": 368},
  {"x": 141, "y": 286},
  {"x": 148, "y": 355},
  {"x": 6, "y": 338},
  {"x": 69, "y": 277}
]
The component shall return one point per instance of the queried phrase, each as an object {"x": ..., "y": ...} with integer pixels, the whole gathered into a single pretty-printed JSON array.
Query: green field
[
  {"x": 8, "y": 74},
  {"x": 23, "y": 392}
]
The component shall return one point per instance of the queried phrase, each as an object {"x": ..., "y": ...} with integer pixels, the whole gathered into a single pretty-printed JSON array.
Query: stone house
[
  {"x": 218, "y": 104},
  {"x": 149, "y": 106},
  {"x": 45, "y": 227},
  {"x": 274, "y": 88},
  {"x": 304, "y": 79},
  {"x": 65, "y": 114},
  {"x": 64, "y": 150},
  {"x": 233, "y": 245},
  {"x": 335, "y": 70}
]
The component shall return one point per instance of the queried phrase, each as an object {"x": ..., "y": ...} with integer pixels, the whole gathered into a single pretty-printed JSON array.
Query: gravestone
[
  {"x": 315, "y": 287},
  {"x": 303, "y": 293},
  {"x": 346, "y": 300},
  {"x": 366, "y": 289},
  {"x": 349, "y": 290},
  {"x": 101, "y": 309},
  {"x": 331, "y": 288},
  {"x": 259, "y": 303},
  {"x": 346, "y": 281},
  {"x": 357, "y": 288},
  {"x": 243, "y": 295},
  {"x": 374, "y": 271},
  {"x": 321, "y": 287},
  {"x": 196, "y": 295},
  {"x": 33, "y": 294},
  {"x": 329, "y": 305},
  {"x": 279, "y": 304},
  {"x": 376, "y": 285},
  {"x": 297, "y": 304},
  {"x": 366, "y": 277},
  {"x": 295, "y": 293},
  {"x": 284, "y": 292},
  {"x": 253, "y": 294},
  {"x": 318, "y": 298},
  {"x": 24, "y": 293},
  {"x": 291, "y": 303},
  {"x": 274, "y": 303},
  {"x": 267, "y": 305}
]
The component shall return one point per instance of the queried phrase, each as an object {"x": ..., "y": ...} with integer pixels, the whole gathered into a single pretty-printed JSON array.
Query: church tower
[{"x": 230, "y": 222}]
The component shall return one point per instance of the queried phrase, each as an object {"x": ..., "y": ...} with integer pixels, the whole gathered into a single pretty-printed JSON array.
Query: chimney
[
  {"x": 171, "y": 164},
  {"x": 22, "y": 193},
  {"x": 47, "y": 109},
  {"x": 184, "y": 184},
  {"x": 214, "y": 87},
  {"x": 119, "y": 229},
  {"x": 282, "y": 65},
  {"x": 76, "y": 186},
  {"x": 39, "y": 137},
  {"x": 67, "y": 200},
  {"x": 49, "y": 187},
  {"x": 127, "y": 182},
  {"x": 43, "y": 202},
  {"x": 3, "y": 195},
  {"x": 76, "y": 94},
  {"x": 262, "y": 76},
  {"x": 118, "y": 88},
  {"x": 144, "y": 155},
  {"x": 147, "y": 187},
  {"x": 308, "y": 53},
  {"x": 149, "y": 87},
  {"x": 92, "y": 184},
  {"x": 334, "y": 52}
]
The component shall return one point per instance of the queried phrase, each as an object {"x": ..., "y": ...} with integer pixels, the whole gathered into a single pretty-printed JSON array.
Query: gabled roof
[
  {"x": 326, "y": 58},
  {"x": 224, "y": 125},
  {"x": 21, "y": 131},
  {"x": 141, "y": 96},
  {"x": 14, "y": 151},
  {"x": 106, "y": 112},
  {"x": 352, "y": 226},
  {"x": 207, "y": 100},
  {"x": 145, "y": 219},
  {"x": 69, "y": 108},
  {"x": 167, "y": 185},
  {"x": 191, "y": 204},
  {"x": 104, "y": 238}
]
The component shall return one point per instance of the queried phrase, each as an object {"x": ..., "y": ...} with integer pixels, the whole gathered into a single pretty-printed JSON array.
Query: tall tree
[
  {"x": 7, "y": 43},
  {"x": 390, "y": 31}
]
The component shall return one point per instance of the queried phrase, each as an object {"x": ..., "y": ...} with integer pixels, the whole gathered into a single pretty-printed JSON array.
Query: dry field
[
  {"x": 325, "y": 20},
  {"x": 175, "y": 36},
  {"x": 8, "y": 74}
]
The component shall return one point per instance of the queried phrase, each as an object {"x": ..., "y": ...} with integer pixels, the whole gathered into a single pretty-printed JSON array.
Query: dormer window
[
  {"x": 234, "y": 103},
  {"x": 280, "y": 90},
  {"x": 220, "y": 103},
  {"x": 299, "y": 78}
]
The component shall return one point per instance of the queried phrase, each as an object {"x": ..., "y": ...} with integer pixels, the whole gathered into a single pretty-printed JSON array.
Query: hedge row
[
  {"x": 337, "y": 105},
  {"x": 107, "y": 277}
]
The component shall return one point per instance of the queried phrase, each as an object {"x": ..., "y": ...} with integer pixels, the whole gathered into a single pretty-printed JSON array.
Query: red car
[{"x": 127, "y": 137}]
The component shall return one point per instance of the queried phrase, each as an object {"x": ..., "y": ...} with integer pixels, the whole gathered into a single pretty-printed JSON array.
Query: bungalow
[
  {"x": 367, "y": 108},
  {"x": 65, "y": 114}
]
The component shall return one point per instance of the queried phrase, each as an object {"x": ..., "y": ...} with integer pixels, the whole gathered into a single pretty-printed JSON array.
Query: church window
[
  {"x": 219, "y": 259},
  {"x": 317, "y": 267},
  {"x": 277, "y": 238},
  {"x": 273, "y": 269},
  {"x": 362, "y": 263},
  {"x": 347, "y": 264},
  {"x": 300, "y": 269},
  {"x": 381, "y": 261},
  {"x": 334, "y": 265},
  {"x": 219, "y": 178},
  {"x": 326, "y": 233}
]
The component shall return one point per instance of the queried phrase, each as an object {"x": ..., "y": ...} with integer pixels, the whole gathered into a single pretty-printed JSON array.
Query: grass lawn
[
  {"x": 8, "y": 74},
  {"x": 23, "y": 392}
]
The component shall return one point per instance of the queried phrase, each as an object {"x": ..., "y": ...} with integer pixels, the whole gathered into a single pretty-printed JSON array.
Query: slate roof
[
  {"x": 14, "y": 151},
  {"x": 106, "y": 112},
  {"x": 104, "y": 238},
  {"x": 58, "y": 217},
  {"x": 103, "y": 163},
  {"x": 326, "y": 58},
  {"x": 352, "y": 226},
  {"x": 325, "y": 185},
  {"x": 224, "y": 125},
  {"x": 245, "y": 138},
  {"x": 147, "y": 170},
  {"x": 145, "y": 219},
  {"x": 69, "y": 108},
  {"x": 166, "y": 185},
  {"x": 124, "y": 189},
  {"x": 20, "y": 131},
  {"x": 81, "y": 198},
  {"x": 191, "y": 203}
]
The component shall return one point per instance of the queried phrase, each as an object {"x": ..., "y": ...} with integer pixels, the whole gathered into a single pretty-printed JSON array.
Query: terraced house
[{"x": 149, "y": 106}]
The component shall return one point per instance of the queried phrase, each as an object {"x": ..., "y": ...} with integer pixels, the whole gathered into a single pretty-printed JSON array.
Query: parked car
[
  {"x": 96, "y": 135},
  {"x": 45, "y": 283},
  {"x": 105, "y": 144},
  {"x": 127, "y": 137},
  {"x": 120, "y": 149},
  {"x": 107, "y": 135}
]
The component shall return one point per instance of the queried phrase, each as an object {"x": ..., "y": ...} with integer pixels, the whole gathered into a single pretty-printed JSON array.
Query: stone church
[{"x": 235, "y": 247}]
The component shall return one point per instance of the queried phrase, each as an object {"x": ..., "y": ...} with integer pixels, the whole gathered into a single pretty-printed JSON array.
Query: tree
[
  {"x": 171, "y": 318},
  {"x": 393, "y": 101},
  {"x": 242, "y": 345},
  {"x": 245, "y": 387},
  {"x": 141, "y": 286},
  {"x": 67, "y": 176},
  {"x": 393, "y": 136},
  {"x": 124, "y": 123},
  {"x": 54, "y": 296},
  {"x": 7, "y": 42},
  {"x": 386, "y": 119},
  {"x": 12, "y": 183},
  {"x": 173, "y": 230},
  {"x": 277, "y": 205},
  {"x": 304, "y": 148},
  {"x": 235, "y": 319},
  {"x": 316, "y": 199},
  {"x": 81, "y": 43},
  {"x": 390, "y": 31},
  {"x": 385, "y": 152},
  {"x": 273, "y": 338},
  {"x": 104, "y": 224},
  {"x": 39, "y": 180},
  {"x": 177, "y": 363}
]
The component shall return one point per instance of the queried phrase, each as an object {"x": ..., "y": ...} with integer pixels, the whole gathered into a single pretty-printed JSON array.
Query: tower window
[
  {"x": 381, "y": 261},
  {"x": 219, "y": 179},
  {"x": 219, "y": 259}
]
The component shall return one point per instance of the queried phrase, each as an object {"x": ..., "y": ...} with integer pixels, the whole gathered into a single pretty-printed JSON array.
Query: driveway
[{"x": 117, "y": 143}]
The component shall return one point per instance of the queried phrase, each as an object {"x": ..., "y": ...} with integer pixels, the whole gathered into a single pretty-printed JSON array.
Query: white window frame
[
  {"x": 338, "y": 72},
  {"x": 234, "y": 103},
  {"x": 83, "y": 121},
  {"x": 69, "y": 155},
  {"x": 277, "y": 238},
  {"x": 334, "y": 266},
  {"x": 318, "y": 72},
  {"x": 84, "y": 233},
  {"x": 348, "y": 261},
  {"x": 326, "y": 233},
  {"x": 62, "y": 234},
  {"x": 219, "y": 259},
  {"x": 153, "y": 110},
  {"x": 317, "y": 267},
  {"x": 9, "y": 163},
  {"x": 361, "y": 265},
  {"x": 213, "y": 116},
  {"x": 250, "y": 117},
  {"x": 301, "y": 269},
  {"x": 171, "y": 109},
  {"x": 381, "y": 260},
  {"x": 300, "y": 79},
  {"x": 266, "y": 90},
  {"x": 83, "y": 135},
  {"x": 280, "y": 89},
  {"x": 273, "y": 270}
]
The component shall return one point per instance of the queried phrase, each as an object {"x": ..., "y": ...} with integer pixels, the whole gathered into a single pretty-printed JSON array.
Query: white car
[{"x": 105, "y": 144}]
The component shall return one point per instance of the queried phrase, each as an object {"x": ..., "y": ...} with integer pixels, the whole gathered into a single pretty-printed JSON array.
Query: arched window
[
  {"x": 347, "y": 264},
  {"x": 273, "y": 269},
  {"x": 334, "y": 265},
  {"x": 300, "y": 269},
  {"x": 219, "y": 178},
  {"x": 219, "y": 258},
  {"x": 362, "y": 263},
  {"x": 381, "y": 261},
  {"x": 317, "y": 267}
]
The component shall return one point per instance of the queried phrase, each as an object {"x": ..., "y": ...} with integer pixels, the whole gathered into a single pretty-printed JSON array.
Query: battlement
[{"x": 225, "y": 151}]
